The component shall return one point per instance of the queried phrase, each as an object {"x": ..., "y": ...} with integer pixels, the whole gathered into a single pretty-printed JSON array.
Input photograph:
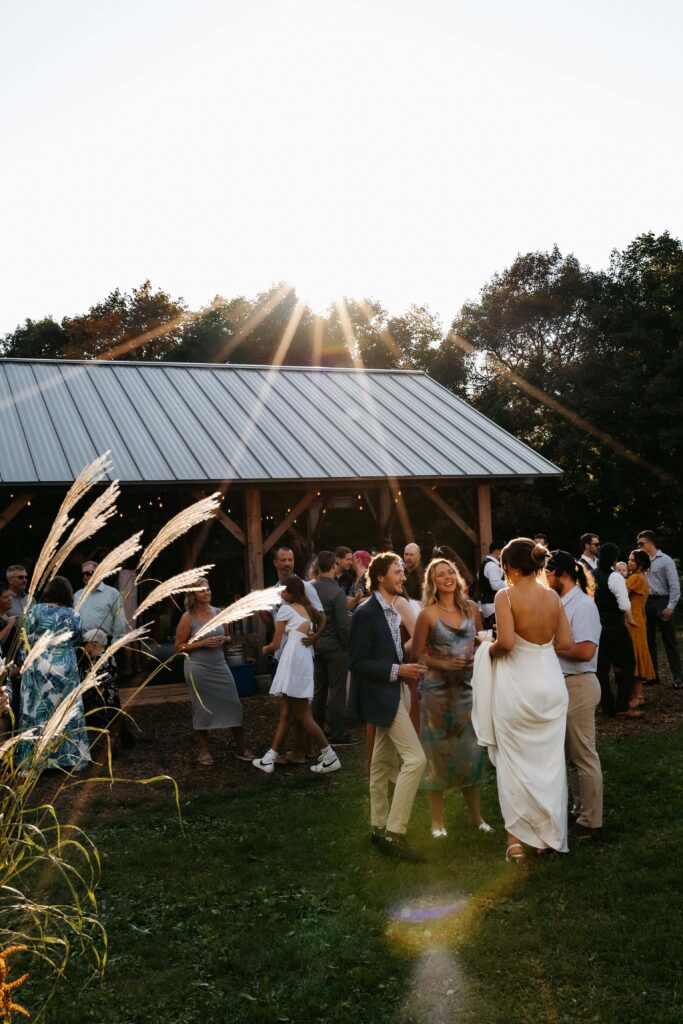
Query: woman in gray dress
[{"x": 215, "y": 703}]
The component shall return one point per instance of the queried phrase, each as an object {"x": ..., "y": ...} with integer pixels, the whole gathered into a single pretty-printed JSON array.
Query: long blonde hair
[
  {"x": 429, "y": 592},
  {"x": 191, "y": 595}
]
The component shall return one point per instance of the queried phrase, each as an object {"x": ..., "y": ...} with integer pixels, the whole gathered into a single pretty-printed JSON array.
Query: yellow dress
[{"x": 638, "y": 591}]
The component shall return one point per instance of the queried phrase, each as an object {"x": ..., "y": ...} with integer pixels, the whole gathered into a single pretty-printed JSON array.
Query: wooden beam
[
  {"x": 451, "y": 513},
  {"x": 368, "y": 502},
  {"x": 484, "y": 516},
  {"x": 252, "y": 518},
  {"x": 282, "y": 527},
  {"x": 229, "y": 524},
  {"x": 13, "y": 508}
]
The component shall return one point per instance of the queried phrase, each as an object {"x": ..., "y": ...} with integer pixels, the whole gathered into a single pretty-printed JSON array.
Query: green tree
[{"x": 585, "y": 367}]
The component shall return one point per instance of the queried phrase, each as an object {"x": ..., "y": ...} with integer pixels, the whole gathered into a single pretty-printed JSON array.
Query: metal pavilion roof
[{"x": 191, "y": 423}]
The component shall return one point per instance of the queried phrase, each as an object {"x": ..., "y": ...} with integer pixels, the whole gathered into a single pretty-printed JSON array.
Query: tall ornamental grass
[{"x": 49, "y": 868}]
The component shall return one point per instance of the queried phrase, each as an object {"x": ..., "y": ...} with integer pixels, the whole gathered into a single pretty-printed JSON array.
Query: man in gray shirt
[
  {"x": 665, "y": 591},
  {"x": 331, "y": 658},
  {"x": 579, "y": 662}
]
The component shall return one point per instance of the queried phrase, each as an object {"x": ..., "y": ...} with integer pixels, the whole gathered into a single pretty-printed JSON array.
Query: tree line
[{"x": 584, "y": 366}]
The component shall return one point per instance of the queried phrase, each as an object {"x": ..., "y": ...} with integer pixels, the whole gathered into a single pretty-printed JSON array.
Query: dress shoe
[
  {"x": 394, "y": 845},
  {"x": 580, "y": 832}
]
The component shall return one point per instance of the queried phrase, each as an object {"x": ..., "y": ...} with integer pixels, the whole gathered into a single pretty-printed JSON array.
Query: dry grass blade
[
  {"x": 42, "y": 644},
  {"x": 257, "y": 601},
  {"x": 179, "y": 584},
  {"x": 177, "y": 526},
  {"x": 80, "y": 487},
  {"x": 111, "y": 563},
  {"x": 92, "y": 520}
]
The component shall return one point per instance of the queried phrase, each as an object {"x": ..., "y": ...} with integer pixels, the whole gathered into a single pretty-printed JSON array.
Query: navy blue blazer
[{"x": 372, "y": 694}]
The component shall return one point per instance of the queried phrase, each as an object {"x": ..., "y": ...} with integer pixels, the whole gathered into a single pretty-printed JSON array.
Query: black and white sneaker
[
  {"x": 326, "y": 763},
  {"x": 264, "y": 764}
]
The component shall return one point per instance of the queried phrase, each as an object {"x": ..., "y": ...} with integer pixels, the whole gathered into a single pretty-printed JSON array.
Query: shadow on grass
[{"x": 273, "y": 906}]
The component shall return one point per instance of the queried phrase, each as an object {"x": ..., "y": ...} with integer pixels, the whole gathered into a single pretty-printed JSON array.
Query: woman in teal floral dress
[
  {"x": 443, "y": 641},
  {"x": 52, "y": 676}
]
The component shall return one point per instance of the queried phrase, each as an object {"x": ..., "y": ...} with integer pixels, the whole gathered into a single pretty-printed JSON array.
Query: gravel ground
[{"x": 166, "y": 746}]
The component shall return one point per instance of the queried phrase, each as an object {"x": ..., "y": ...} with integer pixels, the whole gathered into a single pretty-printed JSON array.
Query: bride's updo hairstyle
[{"x": 524, "y": 555}]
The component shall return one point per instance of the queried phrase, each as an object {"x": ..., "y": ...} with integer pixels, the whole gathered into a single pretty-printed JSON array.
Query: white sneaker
[
  {"x": 265, "y": 766},
  {"x": 322, "y": 766}
]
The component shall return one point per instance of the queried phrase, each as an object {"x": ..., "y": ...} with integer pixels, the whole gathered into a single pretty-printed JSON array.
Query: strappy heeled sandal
[{"x": 510, "y": 856}]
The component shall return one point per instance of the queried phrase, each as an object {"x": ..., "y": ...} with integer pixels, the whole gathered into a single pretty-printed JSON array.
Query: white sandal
[
  {"x": 486, "y": 828},
  {"x": 510, "y": 857}
]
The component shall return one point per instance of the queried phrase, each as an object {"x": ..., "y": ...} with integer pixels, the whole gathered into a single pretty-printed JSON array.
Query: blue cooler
[{"x": 244, "y": 676}]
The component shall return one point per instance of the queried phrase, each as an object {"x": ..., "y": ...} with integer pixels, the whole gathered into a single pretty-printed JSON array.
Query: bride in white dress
[{"x": 520, "y": 703}]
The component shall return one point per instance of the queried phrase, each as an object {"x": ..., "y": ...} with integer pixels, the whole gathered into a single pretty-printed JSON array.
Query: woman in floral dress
[{"x": 51, "y": 677}]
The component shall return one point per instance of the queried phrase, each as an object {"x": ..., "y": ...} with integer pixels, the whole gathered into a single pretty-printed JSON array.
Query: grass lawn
[{"x": 273, "y": 906}]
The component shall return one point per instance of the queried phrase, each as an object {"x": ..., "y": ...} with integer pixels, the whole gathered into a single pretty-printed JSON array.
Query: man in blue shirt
[{"x": 665, "y": 591}]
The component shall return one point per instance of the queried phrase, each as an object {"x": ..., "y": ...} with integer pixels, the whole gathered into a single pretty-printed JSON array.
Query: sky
[{"x": 397, "y": 150}]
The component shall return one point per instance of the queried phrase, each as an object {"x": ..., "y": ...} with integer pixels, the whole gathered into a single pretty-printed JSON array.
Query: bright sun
[{"x": 316, "y": 292}]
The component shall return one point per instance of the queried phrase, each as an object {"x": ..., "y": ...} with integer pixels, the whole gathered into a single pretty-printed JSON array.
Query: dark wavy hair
[
  {"x": 294, "y": 586},
  {"x": 609, "y": 553},
  {"x": 642, "y": 559},
  {"x": 59, "y": 591},
  {"x": 563, "y": 562}
]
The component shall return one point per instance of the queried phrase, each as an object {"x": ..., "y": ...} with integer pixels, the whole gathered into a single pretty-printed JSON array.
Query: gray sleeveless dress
[{"x": 215, "y": 703}]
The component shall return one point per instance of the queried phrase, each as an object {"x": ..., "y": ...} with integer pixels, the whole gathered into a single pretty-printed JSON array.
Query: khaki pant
[
  {"x": 398, "y": 738},
  {"x": 585, "y": 772}
]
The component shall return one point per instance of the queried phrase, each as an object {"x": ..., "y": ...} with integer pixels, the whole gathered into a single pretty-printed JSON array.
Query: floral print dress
[{"x": 46, "y": 683}]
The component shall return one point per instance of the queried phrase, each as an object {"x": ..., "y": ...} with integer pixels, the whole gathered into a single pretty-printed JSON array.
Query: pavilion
[{"x": 333, "y": 436}]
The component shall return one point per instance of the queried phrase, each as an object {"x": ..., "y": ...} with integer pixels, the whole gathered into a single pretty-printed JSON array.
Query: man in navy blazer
[{"x": 380, "y": 695}]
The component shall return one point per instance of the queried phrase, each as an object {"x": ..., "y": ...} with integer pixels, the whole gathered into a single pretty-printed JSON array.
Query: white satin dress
[{"x": 520, "y": 714}]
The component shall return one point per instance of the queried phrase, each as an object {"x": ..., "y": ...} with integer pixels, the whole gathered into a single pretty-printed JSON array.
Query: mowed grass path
[{"x": 273, "y": 906}]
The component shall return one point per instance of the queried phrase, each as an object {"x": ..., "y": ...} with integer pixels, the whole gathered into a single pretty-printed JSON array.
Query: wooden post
[
  {"x": 484, "y": 518},
  {"x": 385, "y": 510},
  {"x": 252, "y": 519}
]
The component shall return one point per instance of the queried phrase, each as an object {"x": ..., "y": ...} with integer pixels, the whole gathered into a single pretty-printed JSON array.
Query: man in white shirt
[
  {"x": 579, "y": 662},
  {"x": 103, "y": 608},
  {"x": 490, "y": 579},
  {"x": 590, "y": 549},
  {"x": 616, "y": 648}
]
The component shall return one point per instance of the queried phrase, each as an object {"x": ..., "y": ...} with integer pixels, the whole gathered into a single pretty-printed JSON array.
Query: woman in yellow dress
[{"x": 638, "y": 590}]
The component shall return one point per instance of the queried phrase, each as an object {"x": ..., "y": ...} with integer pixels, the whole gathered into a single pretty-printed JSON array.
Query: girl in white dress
[
  {"x": 296, "y": 618},
  {"x": 520, "y": 703}
]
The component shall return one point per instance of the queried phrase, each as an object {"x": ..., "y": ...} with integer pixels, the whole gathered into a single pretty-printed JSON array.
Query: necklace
[{"x": 444, "y": 609}]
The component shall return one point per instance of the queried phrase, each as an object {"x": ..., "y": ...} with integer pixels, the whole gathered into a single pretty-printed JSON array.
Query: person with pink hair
[{"x": 359, "y": 589}]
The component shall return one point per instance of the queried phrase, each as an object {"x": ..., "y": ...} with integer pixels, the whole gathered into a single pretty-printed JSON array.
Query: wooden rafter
[
  {"x": 283, "y": 526},
  {"x": 13, "y": 508},
  {"x": 229, "y": 524},
  {"x": 450, "y": 512}
]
